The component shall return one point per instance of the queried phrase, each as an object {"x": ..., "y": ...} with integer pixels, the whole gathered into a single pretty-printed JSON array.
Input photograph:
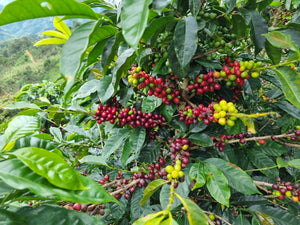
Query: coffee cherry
[
  {"x": 262, "y": 141},
  {"x": 101, "y": 181},
  {"x": 106, "y": 177},
  {"x": 211, "y": 216},
  {"x": 77, "y": 206}
]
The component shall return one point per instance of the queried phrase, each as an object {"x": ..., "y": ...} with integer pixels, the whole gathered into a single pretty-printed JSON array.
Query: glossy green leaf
[
  {"x": 88, "y": 88},
  {"x": 16, "y": 174},
  {"x": 150, "y": 152},
  {"x": 150, "y": 103},
  {"x": 114, "y": 142},
  {"x": 101, "y": 33},
  {"x": 260, "y": 160},
  {"x": 230, "y": 4},
  {"x": 135, "y": 209},
  {"x": 156, "y": 25},
  {"x": 271, "y": 148},
  {"x": 150, "y": 219},
  {"x": 21, "y": 105},
  {"x": 273, "y": 53},
  {"x": 93, "y": 159},
  {"x": 288, "y": 108},
  {"x": 294, "y": 163},
  {"x": 93, "y": 56},
  {"x": 122, "y": 65},
  {"x": 56, "y": 133},
  {"x": 134, "y": 144},
  {"x": 194, "y": 6},
  {"x": 258, "y": 27},
  {"x": 169, "y": 221},
  {"x": 241, "y": 220},
  {"x": 290, "y": 81},
  {"x": 217, "y": 184},
  {"x": 21, "y": 126},
  {"x": 168, "y": 111},
  {"x": 185, "y": 38},
  {"x": 151, "y": 188},
  {"x": 280, "y": 40},
  {"x": 281, "y": 163},
  {"x": 50, "y": 41},
  {"x": 60, "y": 25},
  {"x": 105, "y": 89},
  {"x": 55, "y": 33},
  {"x": 110, "y": 50},
  {"x": 196, "y": 173},
  {"x": 239, "y": 26},
  {"x": 201, "y": 139},
  {"x": 195, "y": 215},
  {"x": 278, "y": 215},
  {"x": 74, "y": 48},
  {"x": 35, "y": 141},
  {"x": 237, "y": 178},
  {"x": 11, "y": 218},
  {"x": 31, "y": 9},
  {"x": 134, "y": 20},
  {"x": 160, "y": 5},
  {"x": 55, "y": 169},
  {"x": 56, "y": 215}
]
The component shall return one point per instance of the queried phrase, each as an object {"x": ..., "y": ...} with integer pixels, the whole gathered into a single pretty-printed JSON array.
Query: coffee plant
[{"x": 168, "y": 112}]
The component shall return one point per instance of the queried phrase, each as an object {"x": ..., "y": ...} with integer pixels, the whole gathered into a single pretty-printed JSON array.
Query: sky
[{"x": 4, "y": 2}]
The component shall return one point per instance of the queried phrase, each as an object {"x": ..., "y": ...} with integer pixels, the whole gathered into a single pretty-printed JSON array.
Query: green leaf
[
  {"x": 185, "y": 38},
  {"x": 271, "y": 148},
  {"x": 110, "y": 50},
  {"x": 101, "y": 33},
  {"x": 149, "y": 152},
  {"x": 288, "y": 108},
  {"x": 21, "y": 126},
  {"x": 258, "y": 27},
  {"x": 151, "y": 188},
  {"x": 239, "y": 26},
  {"x": 196, "y": 173},
  {"x": 201, "y": 139},
  {"x": 261, "y": 161},
  {"x": 56, "y": 215},
  {"x": 150, "y": 103},
  {"x": 74, "y": 48},
  {"x": 135, "y": 209},
  {"x": 11, "y": 218},
  {"x": 55, "y": 33},
  {"x": 168, "y": 111},
  {"x": 280, "y": 40},
  {"x": 290, "y": 81},
  {"x": 197, "y": 128},
  {"x": 114, "y": 142},
  {"x": 273, "y": 53},
  {"x": 31, "y": 9},
  {"x": 61, "y": 26},
  {"x": 241, "y": 220},
  {"x": 150, "y": 219},
  {"x": 194, "y": 213},
  {"x": 217, "y": 184},
  {"x": 134, "y": 20},
  {"x": 263, "y": 218},
  {"x": 21, "y": 105},
  {"x": 294, "y": 163},
  {"x": 156, "y": 25},
  {"x": 17, "y": 175},
  {"x": 169, "y": 221},
  {"x": 93, "y": 159},
  {"x": 50, "y": 41},
  {"x": 237, "y": 178},
  {"x": 122, "y": 65},
  {"x": 280, "y": 216},
  {"x": 160, "y": 5},
  {"x": 194, "y": 6},
  {"x": 281, "y": 163},
  {"x": 105, "y": 89},
  {"x": 134, "y": 144},
  {"x": 88, "y": 88},
  {"x": 230, "y": 4},
  {"x": 55, "y": 169},
  {"x": 56, "y": 134}
]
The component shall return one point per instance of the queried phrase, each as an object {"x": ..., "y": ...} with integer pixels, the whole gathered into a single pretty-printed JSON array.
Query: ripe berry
[
  {"x": 101, "y": 181},
  {"x": 106, "y": 177},
  {"x": 262, "y": 141},
  {"x": 77, "y": 206}
]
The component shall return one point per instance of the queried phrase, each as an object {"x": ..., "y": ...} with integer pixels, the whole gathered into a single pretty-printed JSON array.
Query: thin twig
[{"x": 133, "y": 183}]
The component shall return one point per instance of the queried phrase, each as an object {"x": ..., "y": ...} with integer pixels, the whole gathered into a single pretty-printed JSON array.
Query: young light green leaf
[
  {"x": 21, "y": 105},
  {"x": 148, "y": 220},
  {"x": 294, "y": 163},
  {"x": 60, "y": 25},
  {"x": 217, "y": 184},
  {"x": 194, "y": 213},
  {"x": 31, "y": 9},
  {"x": 21, "y": 126},
  {"x": 151, "y": 188},
  {"x": 134, "y": 20},
  {"x": 237, "y": 178},
  {"x": 185, "y": 38},
  {"x": 50, "y": 41},
  {"x": 17, "y": 175},
  {"x": 93, "y": 159},
  {"x": 55, "y": 169},
  {"x": 290, "y": 82},
  {"x": 281, "y": 163}
]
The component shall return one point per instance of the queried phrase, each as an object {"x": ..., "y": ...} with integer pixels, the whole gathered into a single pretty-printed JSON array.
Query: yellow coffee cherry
[
  {"x": 217, "y": 115},
  {"x": 174, "y": 174},
  {"x": 222, "y": 114},
  {"x": 230, "y": 123},
  {"x": 177, "y": 167},
  {"x": 222, "y": 121},
  {"x": 169, "y": 169},
  {"x": 169, "y": 176},
  {"x": 180, "y": 174}
]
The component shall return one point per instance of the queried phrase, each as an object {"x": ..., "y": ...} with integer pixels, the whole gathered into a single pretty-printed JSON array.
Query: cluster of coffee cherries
[
  {"x": 191, "y": 115},
  {"x": 174, "y": 172},
  {"x": 91, "y": 209},
  {"x": 221, "y": 142},
  {"x": 236, "y": 73},
  {"x": 132, "y": 116},
  {"x": 179, "y": 150},
  {"x": 224, "y": 113},
  {"x": 205, "y": 83},
  {"x": 157, "y": 87},
  {"x": 284, "y": 189}
]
